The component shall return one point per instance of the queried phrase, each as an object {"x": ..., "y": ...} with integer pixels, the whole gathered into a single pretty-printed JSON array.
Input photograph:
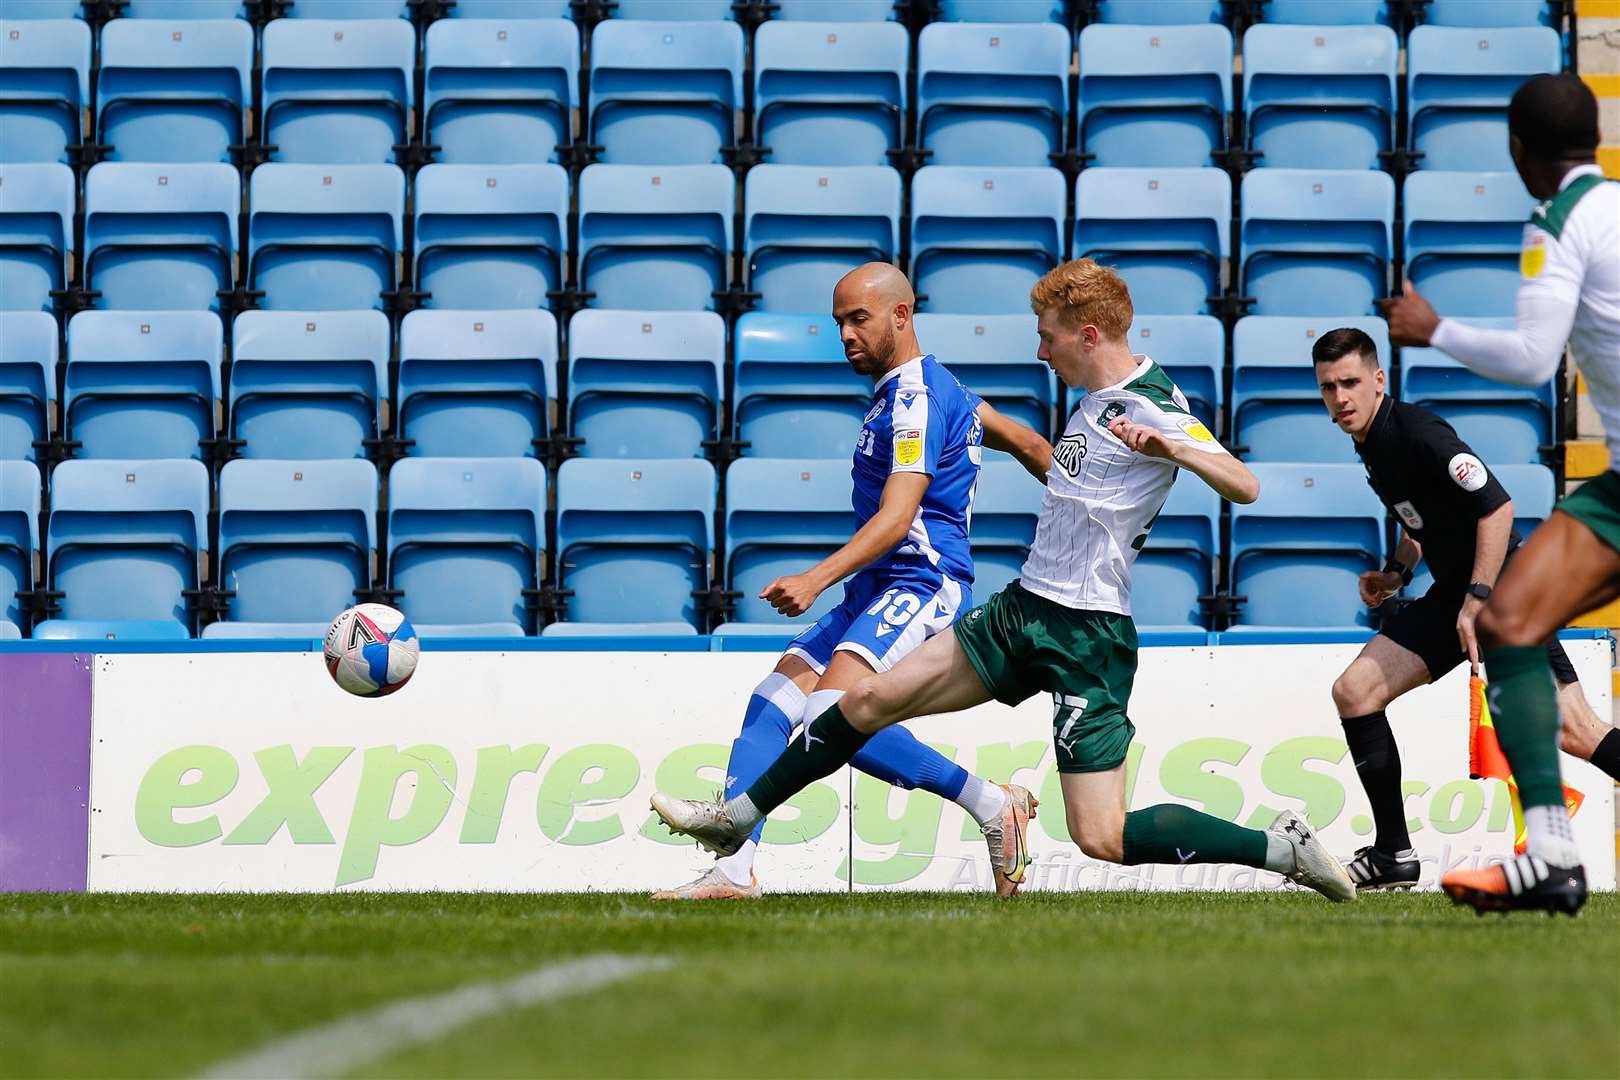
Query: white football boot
[
  {"x": 1313, "y": 866},
  {"x": 704, "y": 820},
  {"x": 712, "y": 885},
  {"x": 1008, "y": 838}
]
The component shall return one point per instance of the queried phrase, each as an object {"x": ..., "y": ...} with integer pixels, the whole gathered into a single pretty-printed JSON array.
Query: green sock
[
  {"x": 1524, "y": 708},
  {"x": 1169, "y": 833},
  {"x": 826, "y": 745}
]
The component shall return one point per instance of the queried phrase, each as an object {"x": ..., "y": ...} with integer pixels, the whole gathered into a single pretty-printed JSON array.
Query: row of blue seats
[
  {"x": 652, "y": 237},
  {"x": 465, "y": 550},
  {"x": 670, "y": 93},
  {"x": 645, "y": 384}
]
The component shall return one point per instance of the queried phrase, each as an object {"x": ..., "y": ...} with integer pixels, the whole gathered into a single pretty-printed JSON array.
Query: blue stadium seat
[
  {"x": 338, "y": 92},
  {"x": 1166, "y": 231},
  {"x": 663, "y": 93},
  {"x": 1298, "y": 551},
  {"x": 125, "y": 539},
  {"x": 350, "y": 9},
  {"x": 1177, "y": 563},
  {"x": 655, "y": 237},
  {"x": 1277, "y": 409},
  {"x": 795, "y": 391},
  {"x": 476, "y": 383},
  {"x": 1154, "y": 96},
  {"x": 1005, "y": 11},
  {"x": 992, "y": 94},
  {"x": 142, "y": 384},
  {"x": 1162, "y": 12},
  {"x": 843, "y": 11},
  {"x": 645, "y": 384},
  {"x": 782, "y": 517},
  {"x": 111, "y": 630},
  {"x": 994, "y": 356},
  {"x": 686, "y": 10},
  {"x": 464, "y": 542},
  {"x": 44, "y": 9},
  {"x": 1006, "y": 507},
  {"x": 1502, "y": 422},
  {"x": 491, "y": 236},
  {"x": 1531, "y": 487},
  {"x": 36, "y": 233},
  {"x": 173, "y": 91},
  {"x": 184, "y": 9},
  {"x": 1463, "y": 237},
  {"x": 510, "y": 9},
  {"x": 806, "y": 226},
  {"x": 634, "y": 541},
  {"x": 297, "y": 539},
  {"x": 500, "y": 92},
  {"x": 1192, "y": 351},
  {"x": 324, "y": 237},
  {"x": 1327, "y": 12},
  {"x": 308, "y": 384},
  {"x": 160, "y": 237},
  {"x": 19, "y": 541},
  {"x": 44, "y": 87},
  {"x": 830, "y": 93},
  {"x": 981, "y": 236},
  {"x": 1458, "y": 82},
  {"x": 1487, "y": 13},
  {"x": 1320, "y": 97},
  {"x": 28, "y": 354},
  {"x": 1315, "y": 239}
]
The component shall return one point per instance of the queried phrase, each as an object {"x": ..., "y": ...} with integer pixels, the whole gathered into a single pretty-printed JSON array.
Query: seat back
[
  {"x": 844, "y": 11},
  {"x": 987, "y": 11},
  {"x": 1316, "y": 13},
  {"x": 160, "y": 237},
  {"x": 126, "y": 538},
  {"x": 184, "y": 9},
  {"x": 142, "y": 384},
  {"x": 994, "y": 356},
  {"x": 338, "y": 91},
  {"x": 806, "y": 225},
  {"x": 1167, "y": 232},
  {"x": 308, "y": 384},
  {"x": 832, "y": 93},
  {"x": 28, "y": 355},
  {"x": 663, "y": 93},
  {"x": 464, "y": 537},
  {"x": 501, "y": 91},
  {"x": 795, "y": 392},
  {"x": 36, "y": 233},
  {"x": 1161, "y": 12},
  {"x": 476, "y": 383},
  {"x": 1320, "y": 97},
  {"x": 783, "y": 514},
  {"x": 981, "y": 236},
  {"x": 296, "y": 538},
  {"x": 1154, "y": 96},
  {"x": 173, "y": 90},
  {"x": 1502, "y": 422},
  {"x": 510, "y": 9},
  {"x": 1277, "y": 409},
  {"x": 686, "y": 10},
  {"x": 645, "y": 384},
  {"x": 1464, "y": 232},
  {"x": 19, "y": 540},
  {"x": 633, "y": 538},
  {"x": 325, "y": 237},
  {"x": 492, "y": 236},
  {"x": 31, "y": 10},
  {"x": 1458, "y": 83},
  {"x": 1298, "y": 551},
  {"x": 655, "y": 237},
  {"x": 351, "y": 10},
  {"x": 1488, "y": 13},
  {"x": 992, "y": 94},
  {"x": 1192, "y": 351},
  {"x": 44, "y": 87},
  {"x": 1309, "y": 234},
  {"x": 1006, "y": 508},
  {"x": 1176, "y": 565}
]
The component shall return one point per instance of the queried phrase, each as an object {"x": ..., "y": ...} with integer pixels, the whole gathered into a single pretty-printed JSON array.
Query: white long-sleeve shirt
[{"x": 1569, "y": 292}]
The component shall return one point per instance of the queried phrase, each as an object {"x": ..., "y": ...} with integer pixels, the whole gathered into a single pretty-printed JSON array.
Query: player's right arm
[
  {"x": 1002, "y": 432},
  {"x": 1187, "y": 443},
  {"x": 1379, "y": 585}
]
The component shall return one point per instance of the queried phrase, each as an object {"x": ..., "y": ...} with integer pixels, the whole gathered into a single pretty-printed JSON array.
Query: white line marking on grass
[{"x": 344, "y": 1045}]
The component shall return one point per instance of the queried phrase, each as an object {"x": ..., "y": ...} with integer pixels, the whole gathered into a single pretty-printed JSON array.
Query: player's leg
[{"x": 1581, "y": 733}]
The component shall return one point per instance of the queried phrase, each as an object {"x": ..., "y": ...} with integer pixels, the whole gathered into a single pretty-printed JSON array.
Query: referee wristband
[{"x": 1400, "y": 568}]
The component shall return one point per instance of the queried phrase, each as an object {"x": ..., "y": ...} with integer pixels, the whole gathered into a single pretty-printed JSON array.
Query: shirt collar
[
  {"x": 1144, "y": 362},
  {"x": 1577, "y": 172},
  {"x": 1381, "y": 420},
  {"x": 894, "y": 372}
]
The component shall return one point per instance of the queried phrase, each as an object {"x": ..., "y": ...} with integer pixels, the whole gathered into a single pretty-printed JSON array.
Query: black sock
[
  {"x": 1378, "y": 763},
  {"x": 1607, "y": 754},
  {"x": 826, "y": 744}
]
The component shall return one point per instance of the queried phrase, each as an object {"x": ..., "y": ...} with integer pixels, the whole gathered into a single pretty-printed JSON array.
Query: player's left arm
[
  {"x": 1188, "y": 444},
  {"x": 1002, "y": 432},
  {"x": 1490, "y": 551}
]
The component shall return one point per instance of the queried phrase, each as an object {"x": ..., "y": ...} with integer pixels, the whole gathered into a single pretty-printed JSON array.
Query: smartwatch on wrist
[
  {"x": 1479, "y": 592},
  {"x": 1394, "y": 565}
]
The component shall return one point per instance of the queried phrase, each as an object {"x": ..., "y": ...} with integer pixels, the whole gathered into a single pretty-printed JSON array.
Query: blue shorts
[{"x": 886, "y": 612}]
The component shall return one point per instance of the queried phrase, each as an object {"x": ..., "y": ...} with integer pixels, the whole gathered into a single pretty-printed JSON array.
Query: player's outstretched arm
[
  {"x": 1527, "y": 355},
  {"x": 1230, "y": 478},
  {"x": 1002, "y": 432}
]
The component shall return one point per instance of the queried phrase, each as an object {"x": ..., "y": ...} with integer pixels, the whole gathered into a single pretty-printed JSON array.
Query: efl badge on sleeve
[
  {"x": 1195, "y": 429},
  {"x": 907, "y": 447},
  {"x": 1533, "y": 258}
]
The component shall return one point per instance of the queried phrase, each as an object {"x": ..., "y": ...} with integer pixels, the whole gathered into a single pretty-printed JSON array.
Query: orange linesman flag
[{"x": 1487, "y": 762}]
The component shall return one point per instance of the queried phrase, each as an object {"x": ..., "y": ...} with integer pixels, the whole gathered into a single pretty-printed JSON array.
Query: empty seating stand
[
  {"x": 173, "y": 90},
  {"x": 44, "y": 87},
  {"x": 19, "y": 543},
  {"x": 992, "y": 94},
  {"x": 500, "y": 90},
  {"x": 493, "y": 236},
  {"x": 476, "y": 383},
  {"x": 665, "y": 93},
  {"x": 36, "y": 234},
  {"x": 28, "y": 356},
  {"x": 782, "y": 517},
  {"x": 1154, "y": 95},
  {"x": 808, "y": 225},
  {"x": 655, "y": 236},
  {"x": 325, "y": 237},
  {"x": 645, "y": 384},
  {"x": 161, "y": 236},
  {"x": 338, "y": 91},
  {"x": 1167, "y": 231},
  {"x": 830, "y": 93},
  {"x": 981, "y": 236},
  {"x": 795, "y": 390}
]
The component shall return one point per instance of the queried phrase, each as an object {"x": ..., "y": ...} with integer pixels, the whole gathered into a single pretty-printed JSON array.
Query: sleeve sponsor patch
[
  {"x": 1195, "y": 429},
  {"x": 1468, "y": 472},
  {"x": 908, "y": 446},
  {"x": 1533, "y": 259}
]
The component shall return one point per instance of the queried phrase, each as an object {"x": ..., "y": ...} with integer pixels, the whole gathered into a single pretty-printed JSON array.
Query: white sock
[
  {"x": 743, "y": 813},
  {"x": 1549, "y": 837},
  {"x": 984, "y": 800},
  {"x": 1279, "y": 854},
  {"x": 739, "y": 868},
  {"x": 819, "y": 702}
]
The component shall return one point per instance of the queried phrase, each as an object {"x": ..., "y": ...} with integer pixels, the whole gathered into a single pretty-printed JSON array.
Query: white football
[{"x": 371, "y": 650}]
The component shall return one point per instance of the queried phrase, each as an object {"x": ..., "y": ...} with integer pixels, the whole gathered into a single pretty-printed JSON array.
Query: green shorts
[
  {"x": 1022, "y": 644},
  {"x": 1596, "y": 504}
]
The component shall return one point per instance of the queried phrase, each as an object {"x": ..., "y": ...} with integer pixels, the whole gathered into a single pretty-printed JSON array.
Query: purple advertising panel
[{"x": 44, "y": 771}]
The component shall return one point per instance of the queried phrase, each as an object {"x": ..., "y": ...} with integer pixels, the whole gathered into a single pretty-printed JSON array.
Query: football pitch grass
[{"x": 1086, "y": 984}]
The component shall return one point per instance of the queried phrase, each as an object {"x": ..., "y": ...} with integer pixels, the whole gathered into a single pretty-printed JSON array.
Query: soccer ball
[{"x": 371, "y": 650}]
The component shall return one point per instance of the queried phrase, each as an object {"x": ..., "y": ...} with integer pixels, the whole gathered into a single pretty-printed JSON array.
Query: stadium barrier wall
[
  {"x": 521, "y": 770},
  {"x": 44, "y": 770}
]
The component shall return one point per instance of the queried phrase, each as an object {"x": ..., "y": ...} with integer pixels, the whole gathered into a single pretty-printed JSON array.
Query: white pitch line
[{"x": 345, "y": 1045}]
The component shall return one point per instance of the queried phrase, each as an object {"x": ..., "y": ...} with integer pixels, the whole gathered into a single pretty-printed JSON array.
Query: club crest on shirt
[
  {"x": 1409, "y": 515},
  {"x": 1069, "y": 452},
  {"x": 874, "y": 412},
  {"x": 1111, "y": 412}
]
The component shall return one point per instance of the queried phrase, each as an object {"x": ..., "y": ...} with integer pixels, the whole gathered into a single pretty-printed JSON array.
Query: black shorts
[{"x": 1428, "y": 627}]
